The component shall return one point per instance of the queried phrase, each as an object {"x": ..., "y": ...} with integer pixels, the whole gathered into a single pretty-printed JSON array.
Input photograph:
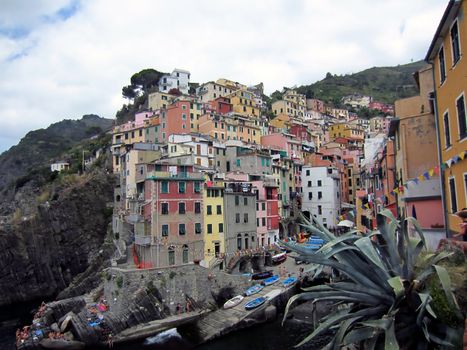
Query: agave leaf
[
  {"x": 292, "y": 300},
  {"x": 426, "y": 299},
  {"x": 418, "y": 228},
  {"x": 345, "y": 237},
  {"x": 384, "y": 297},
  {"x": 387, "y": 324},
  {"x": 366, "y": 247},
  {"x": 359, "y": 334},
  {"x": 388, "y": 231},
  {"x": 446, "y": 283},
  {"x": 397, "y": 286},
  {"x": 343, "y": 330},
  {"x": 336, "y": 317},
  {"x": 387, "y": 213}
]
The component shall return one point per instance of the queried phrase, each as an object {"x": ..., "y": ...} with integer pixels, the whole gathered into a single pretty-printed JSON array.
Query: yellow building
[
  {"x": 280, "y": 121},
  {"x": 292, "y": 104},
  {"x": 158, "y": 100},
  {"x": 195, "y": 113},
  {"x": 243, "y": 103},
  {"x": 450, "y": 78},
  {"x": 214, "y": 230},
  {"x": 346, "y": 130}
]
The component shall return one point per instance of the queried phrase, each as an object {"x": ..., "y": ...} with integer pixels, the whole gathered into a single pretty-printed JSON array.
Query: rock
[
  {"x": 270, "y": 313},
  {"x": 54, "y": 327}
]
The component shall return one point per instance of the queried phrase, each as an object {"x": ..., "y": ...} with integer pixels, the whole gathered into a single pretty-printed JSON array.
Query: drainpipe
[{"x": 441, "y": 171}]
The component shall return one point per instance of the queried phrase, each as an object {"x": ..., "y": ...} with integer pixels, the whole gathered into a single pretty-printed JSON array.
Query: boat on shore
[
  {"x": 270, "y": 280},
  {"x": 278, "y": 258},
  {"x": 289, "y": 282},
  {"x": 262, "y": 275},
  {"x": 233, "y": 302},
  {"x": 253, "y": 304},
  {"x": 253, "y": 290}
]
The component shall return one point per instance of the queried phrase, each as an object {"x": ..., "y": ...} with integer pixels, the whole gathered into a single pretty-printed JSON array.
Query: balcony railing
[
  {"x": 142, "y": 240},
  {"x": 180, "y": 175}
]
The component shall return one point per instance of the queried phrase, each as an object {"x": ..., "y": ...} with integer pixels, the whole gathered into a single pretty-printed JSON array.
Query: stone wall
[{"x": 171, "y": 286}]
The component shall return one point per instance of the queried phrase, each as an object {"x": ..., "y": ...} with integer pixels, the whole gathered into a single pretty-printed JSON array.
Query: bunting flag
[
  {"x": 421, "y": 178},
  {"x": 431, "y": 172},
  {"x": 455, "y": 159},
  {"x": 406, "y": 185},
  {"x": 426, "y": 175},
  {"x": 415, "y": 180},
  {"x": 443, "y": 166},
  {"x": 392, "y": 193},
  {"x": 436, "y": 170},
  {"x": 401, "y": 188},
  {"x": 367, "y": 206},
  {"x": 449, "y": 162},
  {"x": 396, "y": 191},
  {"x": 462, "y": 155}
]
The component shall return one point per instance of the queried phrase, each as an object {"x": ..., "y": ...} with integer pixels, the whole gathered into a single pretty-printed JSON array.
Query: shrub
[
  {"x": 384, "y": 299},
  {"x": 119, "y": 281}
]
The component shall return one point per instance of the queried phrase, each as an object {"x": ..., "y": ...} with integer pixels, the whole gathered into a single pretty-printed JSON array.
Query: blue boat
[
  {"x": 253, "y": 290},
  {"x": 271, "y": 280},
  {"x": 289, "y": 282},
  {"x": 255, "y": 303}
]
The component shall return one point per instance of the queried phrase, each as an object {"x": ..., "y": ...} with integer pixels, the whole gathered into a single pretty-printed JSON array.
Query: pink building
[
  {"x": 286, "y": 142},
  {"x": 174, "y": 120}
]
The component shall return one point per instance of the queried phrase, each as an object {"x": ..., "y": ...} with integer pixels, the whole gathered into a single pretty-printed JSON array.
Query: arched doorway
[{"x": 185, "y": 254}]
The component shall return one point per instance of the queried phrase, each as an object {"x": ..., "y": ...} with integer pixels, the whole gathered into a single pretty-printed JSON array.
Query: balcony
[
  {"x": 134, "y": 218},
  {"x": 165, "y": 175},
  {"x": 142, "y": 240}
]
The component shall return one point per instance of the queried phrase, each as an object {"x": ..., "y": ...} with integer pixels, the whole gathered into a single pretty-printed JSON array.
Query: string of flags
[{"x": 422, "y": 177}]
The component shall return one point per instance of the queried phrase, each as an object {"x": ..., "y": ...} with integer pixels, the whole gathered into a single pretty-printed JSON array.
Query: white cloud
[{"x": 58, "y": 63}]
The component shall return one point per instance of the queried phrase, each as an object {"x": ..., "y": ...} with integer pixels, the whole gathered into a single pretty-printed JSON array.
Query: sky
[{"x": 60, "y": 59}]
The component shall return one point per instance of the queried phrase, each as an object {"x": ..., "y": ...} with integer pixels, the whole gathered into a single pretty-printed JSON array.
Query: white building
[
  {"x": 198, "y": 146},
  {"x": 178, "y": 79},
  {"x": 59, "y": 166},
  {"x": 320, "y": 188}
]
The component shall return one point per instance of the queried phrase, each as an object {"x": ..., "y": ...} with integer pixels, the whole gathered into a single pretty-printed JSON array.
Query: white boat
[
  {"x": 233, "y": 302},
  {"x": 272, "y": 294}
]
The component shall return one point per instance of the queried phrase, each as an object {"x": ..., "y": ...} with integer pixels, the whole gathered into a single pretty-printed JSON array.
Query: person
[
  {"x": 178, "y": 308},
  {"x": 110, "y": 341},
  {"x": 462, "y": 235}
]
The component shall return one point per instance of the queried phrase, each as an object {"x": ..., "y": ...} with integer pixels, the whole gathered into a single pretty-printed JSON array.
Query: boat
[
  {"x": 271, "y": 280},
  {"x": 278, "y": 258},
  {"x": 62, "y": 344},
  {"x": 262, "y": 275},
  {"x": 272, "y": 294},
  {"x": 233, "y": 302},
  {"x": 253, "y": 290},
  {"x": 289, "y": 282},
  {"x": 255, "y": 303}
]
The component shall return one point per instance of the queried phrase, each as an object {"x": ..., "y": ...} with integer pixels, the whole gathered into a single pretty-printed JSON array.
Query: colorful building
[
  {"x": 449, "y": 73},
  {"x": 214, "y": 226}
]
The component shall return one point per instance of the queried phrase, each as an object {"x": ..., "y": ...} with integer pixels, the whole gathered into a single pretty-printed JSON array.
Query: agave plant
[{"x": 382, "y": 300}]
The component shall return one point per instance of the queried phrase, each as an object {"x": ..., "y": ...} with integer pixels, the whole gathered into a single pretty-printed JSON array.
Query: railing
[{"x": 178, "y": 175}]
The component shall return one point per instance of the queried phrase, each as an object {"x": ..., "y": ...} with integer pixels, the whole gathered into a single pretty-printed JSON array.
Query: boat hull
[{"x": 253, "y": 304}]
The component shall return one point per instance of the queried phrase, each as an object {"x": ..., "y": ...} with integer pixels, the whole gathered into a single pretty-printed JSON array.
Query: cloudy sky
[{"x": 65, "y": 58}]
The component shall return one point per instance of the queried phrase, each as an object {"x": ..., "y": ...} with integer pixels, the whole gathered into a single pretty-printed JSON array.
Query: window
[
  {"x": 245, "y": 201},
  {"x": 257, "y": 222},
  {"x": 237, "y": 218},
  {"x": 185, "y": 254},
  {"x": 453, "y": 195},
  {"x": 456, "y": 53},
  {"x": 181, "y": 187},
  {"x": 209, "y": 210},
  {"x": 263, "y": 206},
  {"x": 309, "y": 184},
  {"x": 460, "y": 104},
  {"x": 197, "y": 187},
  {"x": 237, "y": 200},
  {"x": 447, "y": 132},
  {"x": 319, "y": 183},
  {"x": 263, "y": 221},
  {"x": 165, "y": 230},
  {"x": 164, "y": 187},
  {"x": 181, "y": 229},
  {"x": 181, "y": 208},
  {"x": 197, "y": 207},
  {"x": 320, "y": 210},
  {"x": 171, "y": 255},
  {"x": 442, "y": 66},
  {"x": 239, "y": 241},
  {"x": 310, "y": 195},
  {"x": 245, "y": 217},
  {"x": 197, "y": 228},
  {"x": 219, "y": 210},
  {"x": 238, "y": 162},
  {"x": 209, "y": 227},
  {"x": 164, "y": 208},
  {"x": 221, "y": 227},
  {"x": 320, "y": 194}
]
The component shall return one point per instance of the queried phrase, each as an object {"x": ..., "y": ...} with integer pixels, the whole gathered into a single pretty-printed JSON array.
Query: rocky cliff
[{"x": 60, "y": 238}]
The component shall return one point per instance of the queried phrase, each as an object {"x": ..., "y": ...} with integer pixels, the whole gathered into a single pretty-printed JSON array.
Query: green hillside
[
  {"x": 39, "y": 147},
  {"x": 384, "y": 84}
]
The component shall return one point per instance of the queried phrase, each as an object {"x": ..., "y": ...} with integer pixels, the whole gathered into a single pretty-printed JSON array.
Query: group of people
[{"x": 188, "y": 307}]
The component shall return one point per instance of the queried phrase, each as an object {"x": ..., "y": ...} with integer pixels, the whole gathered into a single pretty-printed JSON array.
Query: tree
[
  {"x": 384, "y": 299},
  {"x": 146, "y": 78},
  {"x": 129, "y": 92}
]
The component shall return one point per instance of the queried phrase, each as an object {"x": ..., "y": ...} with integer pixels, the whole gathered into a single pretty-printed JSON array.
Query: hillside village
[{"x": 213, "y": 174}]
